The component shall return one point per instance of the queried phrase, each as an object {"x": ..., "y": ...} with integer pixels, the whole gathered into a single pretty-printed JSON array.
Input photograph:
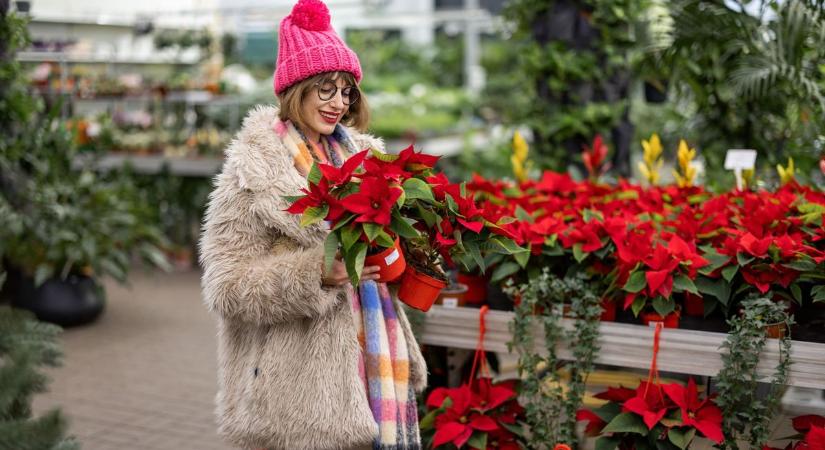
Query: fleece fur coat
[{"x": 287, "y": 346}]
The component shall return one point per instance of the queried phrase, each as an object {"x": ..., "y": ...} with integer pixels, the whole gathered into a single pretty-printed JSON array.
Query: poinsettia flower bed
[
  {"x": 657, "y": 244},
  {"x": 653, "y": 416}
]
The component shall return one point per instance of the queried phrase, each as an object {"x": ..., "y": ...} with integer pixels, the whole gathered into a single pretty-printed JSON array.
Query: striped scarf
[{"x": 383, "y": 363}]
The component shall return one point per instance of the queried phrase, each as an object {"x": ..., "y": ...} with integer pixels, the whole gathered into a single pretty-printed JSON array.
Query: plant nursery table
[{"x": 626, "y": 345}]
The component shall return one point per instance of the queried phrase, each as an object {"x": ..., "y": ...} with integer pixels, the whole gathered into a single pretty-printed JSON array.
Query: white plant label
[
  {"x": 738, "y": 160},
  {"x": 392, "y": 257},
  {"x": 450, "y": 302}
]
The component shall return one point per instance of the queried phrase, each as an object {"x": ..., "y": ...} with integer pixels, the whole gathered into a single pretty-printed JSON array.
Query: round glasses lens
[
  {"x": 351, "y": 95},
  {"x": 326, "y": 90}
]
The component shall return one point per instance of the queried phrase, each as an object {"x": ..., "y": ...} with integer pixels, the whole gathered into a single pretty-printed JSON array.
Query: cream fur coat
[{"x": 287, "y": 346}]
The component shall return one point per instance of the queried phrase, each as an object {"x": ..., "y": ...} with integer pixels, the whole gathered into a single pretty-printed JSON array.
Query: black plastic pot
[
  {"x": 654, "y": 94},
  {"x": 77, "y": 300}
]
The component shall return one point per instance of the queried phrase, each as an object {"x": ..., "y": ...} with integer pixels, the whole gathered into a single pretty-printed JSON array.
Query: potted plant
[
  {"x": 70, "y": 226},
  {"x": 478, "y": 415},
  {"x": 654, "y": 415},
  {"x": 393, "y": 203}
]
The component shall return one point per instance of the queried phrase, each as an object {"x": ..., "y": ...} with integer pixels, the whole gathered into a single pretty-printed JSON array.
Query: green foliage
[
  {"x": 578, "y": 79},
  {"x": 26, "y": 345},
  {"x": 62, "y": 217},
  {"x": 751, "y": 80},
  {"x": 747, "y": 416},
  {"x": 550, "y": 411}
]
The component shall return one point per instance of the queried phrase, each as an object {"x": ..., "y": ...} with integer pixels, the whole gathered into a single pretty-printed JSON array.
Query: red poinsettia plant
[
  {"x": 481, "y": 415},
  {"x": 654, "y": 415},
  {"x": 374, "y": 199},
  {"x": 810, "y": 434}
]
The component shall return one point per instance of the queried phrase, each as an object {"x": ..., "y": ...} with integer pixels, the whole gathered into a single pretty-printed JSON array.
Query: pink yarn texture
[{"x": 308, "y": 45}]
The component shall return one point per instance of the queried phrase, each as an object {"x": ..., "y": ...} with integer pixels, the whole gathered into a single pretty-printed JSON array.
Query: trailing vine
[
  {"x": 545, "y": 300},
  {"x": 747, "y": 417}
]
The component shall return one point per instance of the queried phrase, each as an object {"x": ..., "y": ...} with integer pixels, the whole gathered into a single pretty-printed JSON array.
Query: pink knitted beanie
[{"x": 307, "y": 45}]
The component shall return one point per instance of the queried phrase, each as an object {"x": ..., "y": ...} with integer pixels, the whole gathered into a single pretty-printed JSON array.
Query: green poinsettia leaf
[
  {"x": 478, "y": 440},
  {"x": 350, "y": 235},
  {"x": 314, "y": 175},
  {"x": 314, "y": 214},
  {"x": 681, "y": 283},
  {"x": 355, "y": 261},
  {"x": 504, "y": 270},
  {"x": 418, "y": 189},
  {"x": 636, "y": 282},
  {"x": 626, "y": 423},
  {"x": 331, "y": 244},
  {"x": 372, "y": 230},
  {"x": 681, "y": 438}
]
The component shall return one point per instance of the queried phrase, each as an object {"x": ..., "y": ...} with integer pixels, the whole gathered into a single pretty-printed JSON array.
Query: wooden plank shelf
[
  {"x": 626, "y": 345},
  {"x": 152, "y": 164}
]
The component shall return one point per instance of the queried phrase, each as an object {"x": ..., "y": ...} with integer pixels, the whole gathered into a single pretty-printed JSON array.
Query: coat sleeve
[
  {"x": 243, "y": 279},
  {"x": 259, "y": 264}
]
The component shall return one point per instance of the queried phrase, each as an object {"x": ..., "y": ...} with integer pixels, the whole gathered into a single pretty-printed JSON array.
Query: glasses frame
[{"x": 344, "y": 97}]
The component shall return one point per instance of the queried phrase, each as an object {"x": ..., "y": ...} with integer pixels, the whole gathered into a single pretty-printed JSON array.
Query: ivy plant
[
  {"x": 747, "y": 414},
  {"x": 545, "y": 300}
]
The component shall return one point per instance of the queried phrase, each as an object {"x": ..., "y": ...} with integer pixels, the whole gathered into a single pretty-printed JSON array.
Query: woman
[{"x": 305, "y": 361}]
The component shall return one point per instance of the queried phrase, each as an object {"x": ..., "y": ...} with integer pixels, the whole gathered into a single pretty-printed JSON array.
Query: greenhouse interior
[{"x": 412, "y": 224}]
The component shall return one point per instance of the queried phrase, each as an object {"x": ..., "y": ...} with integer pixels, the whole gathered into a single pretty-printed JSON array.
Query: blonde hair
[{"x": 291, "y": 100}]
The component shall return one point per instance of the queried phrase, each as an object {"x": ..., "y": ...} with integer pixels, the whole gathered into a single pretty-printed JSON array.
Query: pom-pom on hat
[{"x": 307, "y": 46}]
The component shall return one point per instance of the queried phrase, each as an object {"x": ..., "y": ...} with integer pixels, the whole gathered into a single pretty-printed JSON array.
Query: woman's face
[{"x": 325, "y": 105}]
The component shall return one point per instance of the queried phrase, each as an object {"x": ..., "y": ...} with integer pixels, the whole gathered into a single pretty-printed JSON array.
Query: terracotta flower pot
[
  {"x": 776, "y": 330},
  {"x": 453, "y": 295},
  {"x": 694, "y": 305},
  {"x": 670, "y": 321},
  {"x": 419, "y": 290},
  {"x": 608, "y": 311},
  {"x": 476, "y": 288},
  {"x": 391, "y": 261}
]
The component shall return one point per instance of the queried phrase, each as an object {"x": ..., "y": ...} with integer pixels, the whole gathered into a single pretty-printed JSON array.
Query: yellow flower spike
[
  {"x": 519, "y": 157},
  {"x": 687, "y": 173},
  {"x": 748, "y": 177},
  {"x": 651, "y": 156},
  {"x": 786, "y": 174}
]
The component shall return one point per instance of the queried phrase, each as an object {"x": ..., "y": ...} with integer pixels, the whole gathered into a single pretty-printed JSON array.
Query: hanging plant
[
  {"x": 550, "y": 408},
  {"x": 747, "y": 416}
]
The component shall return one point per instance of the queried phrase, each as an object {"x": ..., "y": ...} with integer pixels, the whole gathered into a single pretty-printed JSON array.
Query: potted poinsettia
[
  {"x": 810, "y": 434},
  {"x": 392, "y": 211},
  {"x": 654, "y": 415},
  {"x": 363, "y": 207},
  {"x": 479, "y": 415}
]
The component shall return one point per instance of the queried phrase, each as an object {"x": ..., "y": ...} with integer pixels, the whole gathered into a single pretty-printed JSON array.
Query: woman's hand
[{"x": 338, "y": 275}]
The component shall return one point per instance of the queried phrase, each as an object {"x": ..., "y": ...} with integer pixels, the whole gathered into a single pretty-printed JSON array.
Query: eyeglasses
[{"x": 328, "y": 89}]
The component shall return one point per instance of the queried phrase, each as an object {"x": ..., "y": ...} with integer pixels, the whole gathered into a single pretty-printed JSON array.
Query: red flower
[
  {"x": 595, "y": 424},
  {"x": 660, "y": 276},
  {"x": 373, "y": 202},
  {"x": 318, "y": 195},
  {"x": 814, "y": 440},
  {"x": 491, "y": 396},
  {"x": 648, "y": 403},
  {"x": 803, "y": 424},
  {"x": 414, "y": 161},
  {"x": 753, "y": 246},
  {"x": 339, "y": 176},
  {"x": 459, "y": 421},
  {"x": 594, "y": 157},
  {"x": 617, "y": 395},
  {"x": 502, "y": 439},
  {"x": 702, "y": 415}
]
